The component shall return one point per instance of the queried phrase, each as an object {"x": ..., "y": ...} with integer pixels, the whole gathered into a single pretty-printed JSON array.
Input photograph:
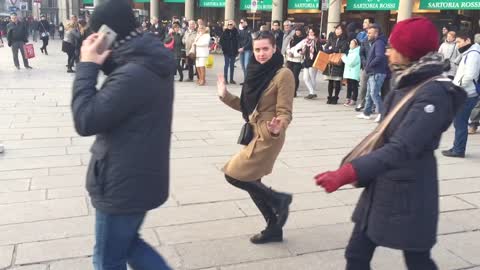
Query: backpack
[{"x": 477, "y": 81}]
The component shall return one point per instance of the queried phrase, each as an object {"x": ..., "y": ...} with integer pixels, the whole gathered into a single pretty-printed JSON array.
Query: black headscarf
[{"x": 258, "y": 78}]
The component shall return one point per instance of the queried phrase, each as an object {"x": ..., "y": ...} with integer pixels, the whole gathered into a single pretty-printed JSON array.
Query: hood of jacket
[
  {"x": 143, "y": 49},
  {"x": 428, "y": 66}
]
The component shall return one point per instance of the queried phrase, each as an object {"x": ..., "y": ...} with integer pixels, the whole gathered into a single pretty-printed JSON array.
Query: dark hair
[
  {"x": 344, "y": 31},
  {"x": 265, "y": 35},
  {"x": 370, "y": 19},
  {"x": 243, "y": 19},
  {"x": 465, "y": 35},
  {"x": 175, "y": 24},
  {"x": 375, "y": 26},
  {"x": 316, "y": 32},
  {"x": 276, "y": 21}
]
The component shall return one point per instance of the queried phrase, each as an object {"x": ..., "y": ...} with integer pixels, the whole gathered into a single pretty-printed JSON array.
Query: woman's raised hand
[{"x": 221, "y": 86}]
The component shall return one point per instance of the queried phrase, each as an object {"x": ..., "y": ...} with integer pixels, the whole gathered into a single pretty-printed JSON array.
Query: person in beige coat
[
  {"x": 188, "y": 40},
  {"x": 266, "y": 104}
]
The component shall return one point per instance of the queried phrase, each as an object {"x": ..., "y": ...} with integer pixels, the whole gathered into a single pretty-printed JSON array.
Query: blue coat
[
  {"x": 352, "y": 64},
  {"x": 399, "y": 205},
  {"x": 131, "y": 117},
  {"x": 376, "y": 60}
]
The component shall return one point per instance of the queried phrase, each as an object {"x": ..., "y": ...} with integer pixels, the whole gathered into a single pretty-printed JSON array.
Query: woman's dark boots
[
  {"x": 273, "y": 232},
  {"x": 329, "y": 100},
  {"x": 334, "y": 100}
]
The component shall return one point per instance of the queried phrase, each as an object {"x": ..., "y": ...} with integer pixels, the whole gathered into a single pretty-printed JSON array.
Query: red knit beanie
[{"x": 414, "y": 37}]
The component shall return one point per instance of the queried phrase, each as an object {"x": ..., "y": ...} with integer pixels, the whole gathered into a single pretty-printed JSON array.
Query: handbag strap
[{"x": 386, "y": 121}]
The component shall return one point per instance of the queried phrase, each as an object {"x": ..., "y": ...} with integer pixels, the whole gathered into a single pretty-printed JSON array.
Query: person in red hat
[{"x": 398, "y": 207}]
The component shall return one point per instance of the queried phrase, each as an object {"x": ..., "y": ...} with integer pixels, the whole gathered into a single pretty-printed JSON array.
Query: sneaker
[
  {"x": 378, "y": 118},
  {"x": 363, "y": 116},
  {"x": 28, "y": 67},
  {"x": 359, "y": 108},
  {"x": 450, "y": 153},
  {"x": 472, "y": 130},
  {"x": 233, "y": 82},
  {"x": 347, "y": 102},
  {"x": 310, "y": 96},
  {"x": 353, "y": 103}
]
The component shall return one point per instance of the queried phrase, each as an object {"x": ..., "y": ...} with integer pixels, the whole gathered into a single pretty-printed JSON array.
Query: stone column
[
  {"x": 334, "y": 11},
  {"x": 62, "y": 11},
  {"x": 277, "y": 10},
  {"x": 154, "y": 8},
  {"x": 405, "y": 10},
  {"x": 229, "y": 10},
  {"x": 75, "y": 7},
  {"x": 189, "y": 9}
]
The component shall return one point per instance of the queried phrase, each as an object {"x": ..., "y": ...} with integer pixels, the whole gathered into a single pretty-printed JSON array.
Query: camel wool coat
[{"x": 256, "y": 159}]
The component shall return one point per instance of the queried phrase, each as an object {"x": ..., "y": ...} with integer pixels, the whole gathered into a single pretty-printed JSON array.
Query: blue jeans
[
  {"x": 229, "y": 63},
  {"x": 374, "y": 87},
  {"x": 245, "y": 60},
  {"x": 118, "y": 243},
  {"x": 461, "y": 125}
]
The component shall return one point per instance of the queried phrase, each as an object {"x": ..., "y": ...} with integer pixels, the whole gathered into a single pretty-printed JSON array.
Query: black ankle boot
[
  {"x": 271, "y": 234},
  {"x": 282, "y": 207},
  {"x": 334, "y": 100},
  {"x": 329, "y": 100}
]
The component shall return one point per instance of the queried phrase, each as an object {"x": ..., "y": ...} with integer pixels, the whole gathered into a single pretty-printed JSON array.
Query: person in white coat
[
  {"x": 352, "y": 72},
  {"x": 202, "y": 51}
]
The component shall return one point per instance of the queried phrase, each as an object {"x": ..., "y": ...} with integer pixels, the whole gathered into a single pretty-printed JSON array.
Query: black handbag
[{"x": 246, "y": 134}]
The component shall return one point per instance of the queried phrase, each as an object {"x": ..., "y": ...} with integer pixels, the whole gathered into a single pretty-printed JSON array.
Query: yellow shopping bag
[{"x": 209, "y": 63}]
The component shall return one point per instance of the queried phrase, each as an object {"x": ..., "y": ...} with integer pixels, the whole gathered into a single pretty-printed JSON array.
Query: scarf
[
  {"x": 428, "y": 66},
  {"x": 465, "y": 48},
  {"x": 311, "y": 44},
  {"x": 257, "y": 80},
  {"x": 295, "y": 40}
]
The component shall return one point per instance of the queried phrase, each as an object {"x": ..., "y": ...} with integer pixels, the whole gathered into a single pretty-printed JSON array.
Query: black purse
[{"x": 246, "y": 134}]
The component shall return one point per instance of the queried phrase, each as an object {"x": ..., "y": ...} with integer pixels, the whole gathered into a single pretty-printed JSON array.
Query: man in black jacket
[
  {"x": 17, "y": 36},
  {"x": 278, "y": 33},
  {"x": 131, "y": 117},
  {"x": 158, "y": 29},
  {"x": 245, "y": 45}
]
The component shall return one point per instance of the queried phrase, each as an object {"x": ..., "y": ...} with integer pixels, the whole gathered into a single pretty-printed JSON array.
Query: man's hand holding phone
[{"x": 91, "y": 47}]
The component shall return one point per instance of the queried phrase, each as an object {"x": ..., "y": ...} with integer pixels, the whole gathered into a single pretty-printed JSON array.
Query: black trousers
[
  {"x": 360, "y": 251},
  {"x": 337, "y": 85},
  {"x": 352, "y": 89},
  {"x": 190, "y": 64},
  {"x": 18, "y": 46},
  {"x": 296, "y": 68},
  {"x": 71, "y": 58},
  {"x": 180, "y": 68},
  {"x": 45, "y": 43}
]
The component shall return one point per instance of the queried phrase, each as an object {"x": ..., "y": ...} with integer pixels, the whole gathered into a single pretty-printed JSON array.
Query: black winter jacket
[
  {"x": 17, "y": 32},
  {"x": 245, "y": 39},
  {"x": 336, "y": 45},
  {"x": 131, "y": 116},
  {"x": 399, "y": 205},
  {"x": 229, "y": 42}
]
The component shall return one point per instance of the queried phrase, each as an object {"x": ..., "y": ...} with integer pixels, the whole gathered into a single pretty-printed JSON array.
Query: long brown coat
[{"x": 256, "y": 159}]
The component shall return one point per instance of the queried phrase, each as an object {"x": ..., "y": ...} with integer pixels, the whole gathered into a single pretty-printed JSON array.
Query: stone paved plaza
[{"x": 46, "y": 220}]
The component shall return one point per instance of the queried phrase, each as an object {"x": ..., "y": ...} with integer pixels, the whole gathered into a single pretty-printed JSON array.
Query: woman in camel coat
[{"x": 266, "y": 103}]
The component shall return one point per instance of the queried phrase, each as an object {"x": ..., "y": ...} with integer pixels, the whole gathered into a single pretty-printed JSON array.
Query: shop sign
[
  {"x": 212, "y": 3},
  {"x": 373, "y": 4},
  {"x": 325, "y": 4},
  {"x": 450, "y": 4},
  {"x": 262, "y": 5},
  {"x": 88, "y": 2},
  {"x": 304, "y": 4},
  {"x": 174, "y": 1}
]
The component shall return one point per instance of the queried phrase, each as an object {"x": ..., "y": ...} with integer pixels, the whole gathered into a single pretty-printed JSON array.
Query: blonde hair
[{"x": 69, "y": 25}]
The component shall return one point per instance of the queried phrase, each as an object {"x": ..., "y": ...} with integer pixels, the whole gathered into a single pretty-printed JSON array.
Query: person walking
[
  {"x": 337, "y": 43},
  {"x": 72, "y": 36},
  {"x": 201, "y": 43},
  {"x": 310, "y": 50},
  {"x": 17, "y": 36},
  {"x": 44, "y": 30},
  {"x": 229, "y": 43},
  {"x": 61, "y": 30},
  {"x": 398, "y": 207},
  {"x": 245, "y": 45},
  {"x": 128, "y": 174},
  {"x": 352, "y": 72},
  {"x": 188, "y": 40},
  {"x": 294, "y": 56},
  {"x": 468, "y": 75},
  {"x": 266, "y": 105},
  {"x": 450, "y": 52},
  {"x": 376, "y": 69},
  {"x": 365, "y": 46}
]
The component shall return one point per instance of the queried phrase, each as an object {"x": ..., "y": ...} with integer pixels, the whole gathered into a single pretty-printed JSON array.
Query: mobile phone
[{"x": 109, "y": 38}]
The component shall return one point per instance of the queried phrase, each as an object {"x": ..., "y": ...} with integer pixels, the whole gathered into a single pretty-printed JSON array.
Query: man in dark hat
[
  {"x": 17, "y": 36},
  {"x": 131, "y": 117}
]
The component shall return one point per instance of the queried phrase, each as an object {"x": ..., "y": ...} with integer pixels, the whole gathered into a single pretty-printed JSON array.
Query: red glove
[{"x": 331, "y": 181}]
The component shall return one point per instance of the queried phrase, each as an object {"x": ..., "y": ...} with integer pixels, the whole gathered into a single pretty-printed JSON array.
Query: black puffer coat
[
  {"x": 336, "y": 45},
  {"x": 399, "y": 206},
  {"x": 229, "y": 42},
  {"x": 131, "y": 116}
]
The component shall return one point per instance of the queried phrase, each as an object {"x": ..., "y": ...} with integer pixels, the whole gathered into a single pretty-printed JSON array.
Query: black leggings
[
  {"x": 45, "y": 43},
  {"x": 360, "y": 251},
  {"x": 180, "y": 68},
  {"x": 352, "y": 89},
  {"x": 296, "y": 68},
  {"x": 71, "y": 58},
  {"x": 334, "y": 84}
]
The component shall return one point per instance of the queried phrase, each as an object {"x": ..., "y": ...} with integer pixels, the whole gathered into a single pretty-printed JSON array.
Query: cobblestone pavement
[{"x": 46, "y": 220}]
